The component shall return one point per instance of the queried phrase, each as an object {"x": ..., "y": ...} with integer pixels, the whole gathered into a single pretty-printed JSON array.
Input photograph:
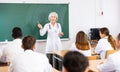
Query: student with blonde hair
[{"x": 81, "y": 44}]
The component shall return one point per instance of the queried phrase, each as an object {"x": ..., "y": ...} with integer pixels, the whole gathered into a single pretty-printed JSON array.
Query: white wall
[
  {"x": 83, "y": 15},
  {"x": 111, "y": 16}
]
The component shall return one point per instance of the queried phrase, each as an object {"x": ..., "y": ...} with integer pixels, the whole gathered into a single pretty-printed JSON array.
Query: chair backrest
[
  {"x": 92, "y": 57},
  {"x": 108, "y": 52}
]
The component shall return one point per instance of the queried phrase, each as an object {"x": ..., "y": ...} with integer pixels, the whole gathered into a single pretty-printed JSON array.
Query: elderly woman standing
[{"x": 54, "y": 32}]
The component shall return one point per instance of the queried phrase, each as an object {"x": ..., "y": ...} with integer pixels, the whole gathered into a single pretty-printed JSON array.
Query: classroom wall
[
  {"x": 111, "y": 16},
  {"x": 83, "y": 15}
]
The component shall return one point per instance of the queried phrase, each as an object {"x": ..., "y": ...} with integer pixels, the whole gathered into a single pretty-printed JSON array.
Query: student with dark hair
[
  {"x": 74, "y": 61},
  {"x": 13, "y": 48},
  {"x": 16, "y": 32},
  {"x": 106, "y": 42},
  {"x": 82, "y": 44},
  {"x": 30, "y": 61},
  {"x": 112, "y": 64}
]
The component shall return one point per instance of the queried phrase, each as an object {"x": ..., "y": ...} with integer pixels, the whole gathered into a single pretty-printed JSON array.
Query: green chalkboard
[{"x": 27, "y": 15}]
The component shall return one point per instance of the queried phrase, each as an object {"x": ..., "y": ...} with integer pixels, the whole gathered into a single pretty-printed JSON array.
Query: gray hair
[{"x": 52, "y": 14}]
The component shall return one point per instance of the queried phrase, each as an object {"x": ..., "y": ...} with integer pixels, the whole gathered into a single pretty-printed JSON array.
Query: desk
[
  {"x": 54, "y": 70},
  {"x": 3, "y": 68},
  {"x": 61, "y": 53},
  {"x": 93, "y": 63}
]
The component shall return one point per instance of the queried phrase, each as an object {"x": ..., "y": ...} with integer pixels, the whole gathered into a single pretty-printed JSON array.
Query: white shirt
[
  {"x": 2, "y": 55},
  {"x": 84, "y": 52},
  {"x": 112, "y": 64},
  {"x": 0, "y": 52},
  {"x": 13, "y": 49},
  {"x": 102, "y": 46},
  {"x": 53, "y": 39},
  {"x": 30, "y": 61}
]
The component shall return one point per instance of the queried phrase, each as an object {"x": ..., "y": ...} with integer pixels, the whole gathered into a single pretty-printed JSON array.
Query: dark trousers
[
  {"x": 50, "y": 57},
  {"x": 55, "y": 61}
]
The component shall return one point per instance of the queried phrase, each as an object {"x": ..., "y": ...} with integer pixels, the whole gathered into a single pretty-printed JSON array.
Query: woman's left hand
[{"x": 61, "y": 34}]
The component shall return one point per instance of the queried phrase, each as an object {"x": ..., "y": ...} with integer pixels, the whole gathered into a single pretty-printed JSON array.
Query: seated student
[
  {"x": 13, "y": 48},
  {"x": 30, "y": 61},
  {"x": 74, "y": 61},
  {"x": 105, "y": 43},
  {"x": 82, "y": 44},
  {"x": 113, "y": 62}
]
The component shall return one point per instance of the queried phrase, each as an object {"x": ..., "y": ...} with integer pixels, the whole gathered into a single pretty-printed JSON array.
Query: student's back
[
  {"x": 112, "y": 64},
  {"x": 14, "y": 47},
  {"x": 30, "y": 61},
  {"x": 106, "y": 42},
  {"x": 81, "y": 44}
]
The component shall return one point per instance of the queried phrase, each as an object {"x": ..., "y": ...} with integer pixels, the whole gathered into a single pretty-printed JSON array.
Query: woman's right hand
[{"x": 40, "y": 26}]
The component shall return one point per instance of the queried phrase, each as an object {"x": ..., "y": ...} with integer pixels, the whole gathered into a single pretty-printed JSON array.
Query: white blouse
[
  {"x": 53, "y": 38},
  {"x": 102, "y": 46},
  {"x": 112, "y": 64},
  {"x": 84, "y": 52},
  {"x": 30, "y": 61},
  {"x": 11, "y": 50}
]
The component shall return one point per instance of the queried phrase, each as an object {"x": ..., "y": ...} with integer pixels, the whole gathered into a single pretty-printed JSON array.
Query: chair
[
  {"x": 3, "y": 64},
  {"x": 108, "y": 52},
  {"x": 92, "y": 57}
]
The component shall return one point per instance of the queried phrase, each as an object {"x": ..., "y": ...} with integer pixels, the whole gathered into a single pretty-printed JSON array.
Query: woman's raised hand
[{"x": 39, "y": 26}]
